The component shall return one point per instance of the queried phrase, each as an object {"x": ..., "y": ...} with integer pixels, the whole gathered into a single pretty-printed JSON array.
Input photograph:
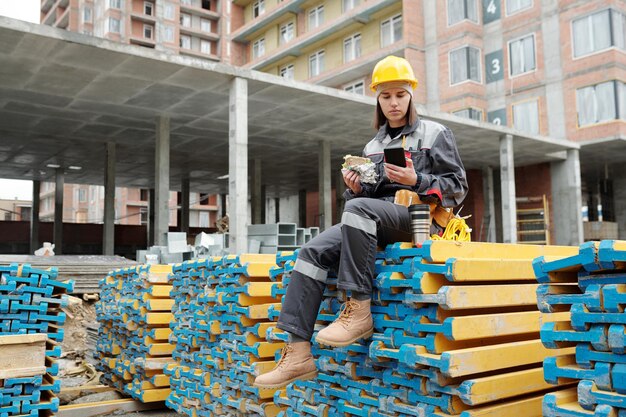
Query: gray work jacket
[{"x": 440, "y": 173}]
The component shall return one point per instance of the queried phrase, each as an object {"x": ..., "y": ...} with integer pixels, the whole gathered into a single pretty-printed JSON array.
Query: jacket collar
[{"x": 408, "y": 129}]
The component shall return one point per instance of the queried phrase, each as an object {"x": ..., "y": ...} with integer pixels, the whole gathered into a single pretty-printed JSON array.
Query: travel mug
[{"x": 419, "y": 217}]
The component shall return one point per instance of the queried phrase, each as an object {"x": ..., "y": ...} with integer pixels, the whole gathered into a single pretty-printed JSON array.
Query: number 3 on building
[{"x": 495, "y": 66}]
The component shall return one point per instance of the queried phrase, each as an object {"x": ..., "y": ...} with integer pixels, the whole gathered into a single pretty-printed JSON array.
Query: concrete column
[
  {"x": 567, "y": 200},
  {"x": 489, "y": 218},
  {"x": 432, "y": 54},
  {"x": 58, "y": 211},
  {"x": 223, "y": 211},
  {"x": 162, "y": 180},
  {"x": 325, "y": 203},
  {"x": 151, "y": 224},
  {"x": 257, "y": 202},
  {"x": 507, "y": 179},
  {"x": 263, "y": 204},
  {"x": 238, "y": 165},
  {"x": 302, "y": 208},
  {"x": 108, "y": 229},
  {"x": 184, "y": 205},
  {"x": 34, "y": 217}
]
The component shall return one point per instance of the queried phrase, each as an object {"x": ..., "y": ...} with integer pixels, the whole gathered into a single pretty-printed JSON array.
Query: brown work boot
[
  {"x": 354, "y": 322},
  {"x": 296, "y": 363}
]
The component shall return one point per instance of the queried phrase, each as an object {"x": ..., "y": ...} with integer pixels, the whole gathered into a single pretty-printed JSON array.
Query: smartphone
[{"x": 395, "y": 156}]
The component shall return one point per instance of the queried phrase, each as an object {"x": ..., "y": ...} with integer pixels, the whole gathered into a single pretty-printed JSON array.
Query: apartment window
[
  {"x": 469, "y": 113},
  {"x": 526, "y": 117},
  {"x": 258, "y": 8},
  {"x": 115, "y": 4},
  {"x": 356, "y": 88},
  {"x": 391, "y": 30},
  {"x": 258, "y": 48},
  {"x": 114, "y": 25},
  {"x": 186, "y": 2},
  {"x": 147, "y": 31},
  {"x": 459, "y": 10},
  {"x": 514, "y": 6},
  {"x": 143, "y": 215},
  {"x": 316, "y": 63},
  {"x": 352, "y": 48},
  {"x": 169, "y": 11},
  {"x": 205, "y": 47},
  {"x": 522, "y": 55},
  {"x": 168, "y": 33},
  {"x": 144, "y": 194},
  {"x": 350, "y": 4},
  {"x": 185, "y": 41},
  {"x": 204, "y": 199},
  {"x": 316, "y": 17},
  {"x": 203, "y": 219},
  {"x": 148, "y": 8},
  {"x": 87, "y": 15},
  {"x": 82, "y": 195},
  {"x": 464, "y": 65},
  {"x": 206, "y": 4},
  {"x": 599, "y": 31},
  {"x": 205, "y": 25},
  {"x": 185, "y": 20},
  {"x": 287, "y": 32},
  {"x": 288, "y": 72},
  {"x": 601, "y": 102}
]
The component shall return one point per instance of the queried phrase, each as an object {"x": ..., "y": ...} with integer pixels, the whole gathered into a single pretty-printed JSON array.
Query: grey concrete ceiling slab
[{"x": 64, "y": 95}]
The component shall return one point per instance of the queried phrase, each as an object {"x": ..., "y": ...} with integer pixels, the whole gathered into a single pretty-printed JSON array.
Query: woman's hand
[
  {"x": 404, "y": 176},
  {"x": 353, "y": 181}
]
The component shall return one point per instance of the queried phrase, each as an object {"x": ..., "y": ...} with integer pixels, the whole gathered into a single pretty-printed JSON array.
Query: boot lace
[
  {"x": 283, "y": 356},
  {"x": 346, "y": 312}
]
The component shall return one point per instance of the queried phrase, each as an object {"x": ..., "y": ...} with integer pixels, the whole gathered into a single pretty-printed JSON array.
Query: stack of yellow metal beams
[
  {"x": 588, "y": 290},
  {"x": 134, "y": 312}
]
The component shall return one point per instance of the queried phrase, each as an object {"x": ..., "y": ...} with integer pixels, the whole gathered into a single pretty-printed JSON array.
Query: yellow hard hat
[{"x": 392, "y": 68}]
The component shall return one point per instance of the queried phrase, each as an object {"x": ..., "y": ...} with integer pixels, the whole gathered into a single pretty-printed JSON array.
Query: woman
[{"x": 370, "y": 219}]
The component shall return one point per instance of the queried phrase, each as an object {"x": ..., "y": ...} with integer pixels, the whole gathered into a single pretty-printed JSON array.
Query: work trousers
[{"x": 349, "y": 249}]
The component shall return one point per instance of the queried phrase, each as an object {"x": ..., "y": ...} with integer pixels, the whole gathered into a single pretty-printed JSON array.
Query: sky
[{"x": 24, "y": 10}]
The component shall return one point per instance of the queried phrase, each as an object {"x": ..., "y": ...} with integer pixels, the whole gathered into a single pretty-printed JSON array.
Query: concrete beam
[
  {"x": 184, "y": 205},
  {"x": 325, "y": 203},
  {"x": 58, "y": 211},
  {"x": 34, "y": 217},
  {"x": 507, "y": 179},
  {"x": 567, "y": 200},
  {"x": 257, "y": 202},
  {"x": 238, "y": 165},
  {"x": 162, "y": 180},
  {"x": 489, "y": 216},
  {"x": 108, "y": 230}
]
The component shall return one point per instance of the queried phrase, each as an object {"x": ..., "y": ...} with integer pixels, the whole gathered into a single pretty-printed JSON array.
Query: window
[
  {"x": 469, "y": 113},
  {"x": 526, "y": 117},
  {"x": 601, "y": 102},
  {"x": 391, "y": 30},
  {"x": 286, "y": 32},
  {"x": 204, "y": 199},
  {"x": 465, "y": 65},
  {"x": 287, "y": 72},
  {"x": 115, "y": 4},
  {"x": 258, "y": 48},
  {"x": 82, "y": 195},
  {"x": 114, "y": 25},
  {"x": 144, "y": 194},
  {"x": 459, "y": 10},
  {"x": 599, "y": 31},
  {"x": 169, "y": 11},
  {"x": 148, "y": 8},
  {"x": 205, "y": 25},
  {"x": 185, "y": 41},
  {"x": 206, "y": 5},
  {"x": 522, "y": 55},
  {"x": 316, "y": 63},
  {"x": 258, "y": 8},
  {"x": 352, "y": 48},
  {"x": 356, "y": 88},
  {"x": 143, "y": 215},
  {"x": 205, "y": 47},
  {"x": 203, "y": 219},
  {"x": 514, "y": 6},
  {"x": 168, "y": 33},
  {"x": 185, "y": 20},
  {"x": 316, "y": 17},
  {"x": 147, "y": 31},
  {"x": 87, "y": 15},
  {"x": 350, "y": 4}
]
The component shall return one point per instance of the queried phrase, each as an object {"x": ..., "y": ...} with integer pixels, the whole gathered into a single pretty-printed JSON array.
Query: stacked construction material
[
  {"x": 279, "y": 237},
  {"x": 30, "y": 304},
  {"x": 456, "y": 333},
  {"x": 220, "y": 330},
  {"x": 134, "y": 312},
  {"x": 589, "y": 291}
]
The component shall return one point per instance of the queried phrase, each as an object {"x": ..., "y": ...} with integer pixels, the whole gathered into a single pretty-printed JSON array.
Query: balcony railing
[{"x": 258, "y": 23}]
